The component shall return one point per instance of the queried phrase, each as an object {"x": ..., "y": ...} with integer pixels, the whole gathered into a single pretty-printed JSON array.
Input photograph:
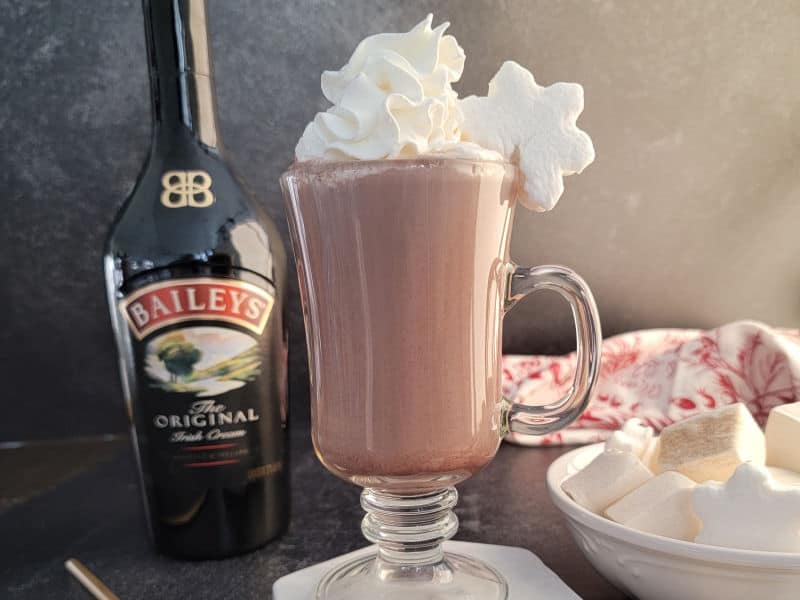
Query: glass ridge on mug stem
[{"x": 405, "y": 278}]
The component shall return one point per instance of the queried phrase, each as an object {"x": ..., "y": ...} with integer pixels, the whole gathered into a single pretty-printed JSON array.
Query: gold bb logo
[{"x": 186, "y": 188}]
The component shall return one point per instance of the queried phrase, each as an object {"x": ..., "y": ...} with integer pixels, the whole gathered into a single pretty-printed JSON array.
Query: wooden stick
[{"x": 89, "y": 580}]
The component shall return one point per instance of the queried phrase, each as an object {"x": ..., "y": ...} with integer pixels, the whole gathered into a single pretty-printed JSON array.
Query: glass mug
[{"x": 404, "y": 279}]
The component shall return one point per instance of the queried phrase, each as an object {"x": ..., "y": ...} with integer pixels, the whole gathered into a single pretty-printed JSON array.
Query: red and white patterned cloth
[{"x": 663, "y": 376}]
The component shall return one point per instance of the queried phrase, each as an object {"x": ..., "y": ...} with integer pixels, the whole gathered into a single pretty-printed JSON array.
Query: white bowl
[{"x": 651, "y": 567}]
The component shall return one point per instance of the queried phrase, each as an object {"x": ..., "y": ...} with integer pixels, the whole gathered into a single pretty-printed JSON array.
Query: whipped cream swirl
[{"x": 393, "y": 99}]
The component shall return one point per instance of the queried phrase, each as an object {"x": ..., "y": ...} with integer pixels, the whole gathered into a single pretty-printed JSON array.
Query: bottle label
[
  {"x": 209, "y": 409},
  {"x": 199, "y": 299}
]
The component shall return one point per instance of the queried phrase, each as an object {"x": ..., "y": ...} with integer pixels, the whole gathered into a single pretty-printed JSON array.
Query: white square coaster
[{"x": 527, "y": 576}]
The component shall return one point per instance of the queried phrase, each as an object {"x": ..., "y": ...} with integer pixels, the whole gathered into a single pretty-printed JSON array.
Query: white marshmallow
[
  {"x": 605, "y": 480},
  {"x": 784, "y": 476},
  {"x": 634, "y": 437},
  {"x": 661, "y": 506},
  {"x": 749, "y": 511},
  {"x": 783, "y": 436},
  {"x": 711, "y": 445},
  {"x": 520, "y": 118}
]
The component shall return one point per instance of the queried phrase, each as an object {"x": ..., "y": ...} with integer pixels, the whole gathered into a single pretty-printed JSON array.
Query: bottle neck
[{"x": 181, "y": 81}]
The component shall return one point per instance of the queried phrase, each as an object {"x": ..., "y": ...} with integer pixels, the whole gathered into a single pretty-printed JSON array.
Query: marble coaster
[{"x": 528, "y": 578}]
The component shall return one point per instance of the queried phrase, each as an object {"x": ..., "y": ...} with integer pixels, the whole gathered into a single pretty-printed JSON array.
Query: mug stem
[{"x": 409, "y": 530}]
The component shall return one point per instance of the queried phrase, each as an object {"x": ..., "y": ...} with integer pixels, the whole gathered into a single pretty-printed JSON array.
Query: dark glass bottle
[{"x": 196, "y": 279}]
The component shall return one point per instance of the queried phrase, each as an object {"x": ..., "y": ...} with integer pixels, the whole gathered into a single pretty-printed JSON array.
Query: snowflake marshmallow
[
  {"x": 750, "y": 511},
  {"x": 520, "y": 118}
]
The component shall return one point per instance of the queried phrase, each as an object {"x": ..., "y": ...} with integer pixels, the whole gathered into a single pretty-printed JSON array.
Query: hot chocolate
[
  {"x": 403, "y": 272},
  {"x": 400, "y": 205}
]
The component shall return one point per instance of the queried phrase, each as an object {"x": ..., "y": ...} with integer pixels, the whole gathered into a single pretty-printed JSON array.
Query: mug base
[{"x": 454, "y": 577}]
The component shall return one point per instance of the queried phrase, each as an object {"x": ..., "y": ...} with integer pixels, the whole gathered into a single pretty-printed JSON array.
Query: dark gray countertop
[{"x": 80, "y": 499}]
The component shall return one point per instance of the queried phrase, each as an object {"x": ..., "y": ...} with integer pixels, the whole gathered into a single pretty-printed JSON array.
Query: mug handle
[{"x": 538, "y": 420}]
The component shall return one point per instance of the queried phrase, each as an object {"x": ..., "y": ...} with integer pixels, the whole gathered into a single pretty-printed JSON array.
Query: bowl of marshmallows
[{"x": 708, "y": 510}]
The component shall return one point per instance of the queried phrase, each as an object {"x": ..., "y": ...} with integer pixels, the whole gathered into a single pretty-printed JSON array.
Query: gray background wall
[{"x": 688, "y": 217}]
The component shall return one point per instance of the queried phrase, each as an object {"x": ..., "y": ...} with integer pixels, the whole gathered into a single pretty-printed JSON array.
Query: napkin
[{"x": 663, "y": 376}]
